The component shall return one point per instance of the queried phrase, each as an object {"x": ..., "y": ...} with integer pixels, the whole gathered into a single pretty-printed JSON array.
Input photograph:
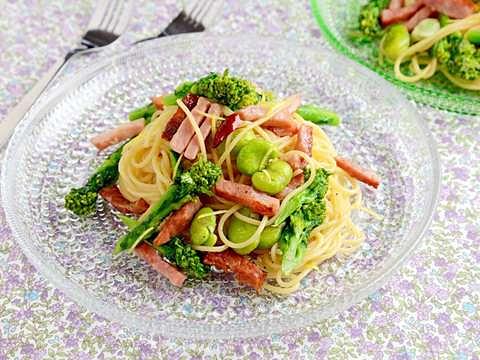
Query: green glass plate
[{"x": 337, "y": 17}]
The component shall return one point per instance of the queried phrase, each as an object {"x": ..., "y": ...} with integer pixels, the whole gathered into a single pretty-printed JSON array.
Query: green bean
[
  {"x": 202, "y": 228},
  {"x": 169, "y": 99},
  {"x": 143, "y": 112},
  {"x": 395, "y": 41},
  {"x": 318, "y": 115},
  {"x": 254, "y": 155},
  {"x": 274, "y": 178}
]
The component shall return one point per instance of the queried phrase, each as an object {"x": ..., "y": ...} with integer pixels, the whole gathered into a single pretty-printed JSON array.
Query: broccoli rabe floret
[
  {"x": 459, "y": 56},
  {"x": 186, "y": 258},
  {"x": 199, "y": 179},
  {"x": 234, "y": 92},
  {"x": 82, "y": 201},
  {"x": 369, "y": 27}
]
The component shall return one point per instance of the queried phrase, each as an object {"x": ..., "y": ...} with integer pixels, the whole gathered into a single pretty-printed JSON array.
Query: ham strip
[
  {"x": 185, "y": 131},
  {"x": 395, "y": 4},
  {"x": 176, "y": 120},
  {"x": 421, "y": 14},
  {"x": 113, "y": 195},
  {"x": 457, "y": 9},
  {"x": 366, "y": 176},
  {"x": 247, "y": 196},
  {"x": 292, "y": 185},
  {"x": 389, "y": 17},
  {"x": 177, "y": 222},
  {"x": 245, "y": 271},
  {"x": 304, "y": 144},
  {"x": 151, "y": 256},
  {"x": 193, "y": 147},
  {"x": 158, "y": 102},
  {"x": 118, "y": 134},
  {"x": 281, "y": 123}
]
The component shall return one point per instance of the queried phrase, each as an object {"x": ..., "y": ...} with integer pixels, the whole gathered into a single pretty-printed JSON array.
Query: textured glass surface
[
  {"x": 50, "y": 152},
  {"x": 337, "y": 17}
]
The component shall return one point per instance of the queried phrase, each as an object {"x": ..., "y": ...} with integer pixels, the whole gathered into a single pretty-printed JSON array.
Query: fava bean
[
  {"x": 395, "y": 41},
  {"x": 240, "y": 231},
  {"x": 425, "y": 28},
  {"x": 254, "y": 155},
  {"x": 249, "y": 135},
  {"x": 202, "y": 228},
  {"x": 274, "y": 178}
]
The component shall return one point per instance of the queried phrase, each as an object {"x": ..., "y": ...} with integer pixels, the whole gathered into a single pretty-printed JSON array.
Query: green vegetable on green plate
[{"x": 395, "y": 41}]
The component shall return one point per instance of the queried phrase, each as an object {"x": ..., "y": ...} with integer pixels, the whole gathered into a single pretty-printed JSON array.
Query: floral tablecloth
[{"x": 429, "y": 309}]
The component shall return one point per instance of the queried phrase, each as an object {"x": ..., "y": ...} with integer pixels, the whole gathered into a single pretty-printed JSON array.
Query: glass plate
[
  {"x": 50, "y": 152},
  {"x": 337, "y": 17}
]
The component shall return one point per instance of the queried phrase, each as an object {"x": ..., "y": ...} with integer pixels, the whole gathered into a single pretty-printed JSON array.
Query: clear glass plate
[
  {"x": 337, "y": 17},
  {"x": 50, "y": 152}
]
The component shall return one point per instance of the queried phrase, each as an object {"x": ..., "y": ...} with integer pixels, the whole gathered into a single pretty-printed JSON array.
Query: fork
[
  {"x": 108, "y": 21},
  {"x": 196, "y": 16}
]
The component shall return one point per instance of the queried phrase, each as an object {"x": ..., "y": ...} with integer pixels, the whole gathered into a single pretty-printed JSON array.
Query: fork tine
[
  {"x": 210, "y": 13},
  {"x": 124, "y": 18},
  {"x": 193, "y": 11},
  {"x": 206, "y": 6},
  {"x": 109, "y": 15},
  {"x": 98, "y": 15}
]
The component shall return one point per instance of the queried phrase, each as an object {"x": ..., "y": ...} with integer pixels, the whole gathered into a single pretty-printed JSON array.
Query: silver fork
[
  {"x": 108, "y": 21},
  {"x": 194, "y": 17}
]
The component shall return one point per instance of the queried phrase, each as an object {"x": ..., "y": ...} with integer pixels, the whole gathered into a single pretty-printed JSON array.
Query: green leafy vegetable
[
  {"x": 199, "y": 179},
  {"x": 145, "y": 112},
  {"x": 236, "y": 93},
  {"x": 318, "y": 115},
  {"x": 303, "y": 213},
  {"x": 184, "y": 256},
  {"x": 369, "y": 27},
  {"x": 82, "y": 201},
  {"x": 459, "y": 56},
  {"x": 177, "y": 252}
]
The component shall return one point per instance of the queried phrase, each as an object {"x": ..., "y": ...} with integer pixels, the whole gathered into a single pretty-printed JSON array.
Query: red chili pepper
[
  {"x": 190, "y": 101},
  {"x": 230, "y": 123}
]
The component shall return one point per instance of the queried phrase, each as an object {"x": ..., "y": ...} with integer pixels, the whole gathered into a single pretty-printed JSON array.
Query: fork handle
[{"x": 16, "y": 114}]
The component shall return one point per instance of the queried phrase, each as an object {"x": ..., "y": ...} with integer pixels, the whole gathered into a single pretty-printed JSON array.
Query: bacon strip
[
  {"x": 389, "y": 16},
  {"x": 366, "y": 176},
  {"x": 305, "y": 139},
  {"x": 177, "y": 222},
  {"x": 395, "y": 4},
  {"x": 185, "y": 131},
  {"x": 421, "y": 14},
  {"x": 247, "y": 196},
  {"x": 113, "y": 195},
  {"x": 281, "y": 123},
  {"x": 457, "y": 9},
  {"x": 176, "y": 120},
  {"x": 118, "y": 134},
  {"x": 193, "y": 147},
  {"x": 245, "y": 271},
  {"x": 150, "y": 255}
]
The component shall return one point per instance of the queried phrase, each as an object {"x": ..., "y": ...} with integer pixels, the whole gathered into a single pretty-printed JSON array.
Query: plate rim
[
  {"x": 409, "y": 89},
  {"x": 284, "y": 324}
]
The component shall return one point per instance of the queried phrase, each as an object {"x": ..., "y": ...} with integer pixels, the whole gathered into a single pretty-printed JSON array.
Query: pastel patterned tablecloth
[{"x": 429, "y": 309}]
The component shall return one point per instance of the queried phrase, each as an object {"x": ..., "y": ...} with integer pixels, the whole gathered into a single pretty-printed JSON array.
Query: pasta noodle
[
  {"x": 146, "y": 171},
  {"x": 420, "y": 49}
]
